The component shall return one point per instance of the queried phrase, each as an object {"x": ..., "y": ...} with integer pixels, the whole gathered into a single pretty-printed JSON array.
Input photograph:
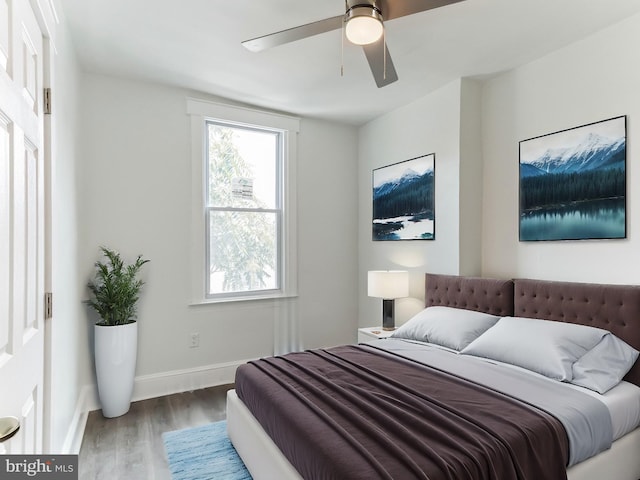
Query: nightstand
[{"x": 368, "y": 334}]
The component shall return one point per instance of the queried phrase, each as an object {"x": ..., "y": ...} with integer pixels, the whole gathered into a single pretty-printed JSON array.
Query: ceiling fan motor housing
[
  {"x": 364, "y": 3},
  {"x": 357, "y": 8}
]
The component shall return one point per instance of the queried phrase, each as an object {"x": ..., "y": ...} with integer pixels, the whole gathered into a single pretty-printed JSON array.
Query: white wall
[
  {"x": 135, "y": 186},
  {"x": 428, "y": 125},
  {"x": 66, "y": 327},
  {"x": 591, "y": 80}
]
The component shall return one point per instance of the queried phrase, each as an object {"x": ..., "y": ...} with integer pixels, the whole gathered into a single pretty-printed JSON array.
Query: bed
[{"x": 615, "y": 308}]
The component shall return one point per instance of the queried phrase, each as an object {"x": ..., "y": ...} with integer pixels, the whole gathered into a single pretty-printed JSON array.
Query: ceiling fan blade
[
  {"x": 400, "y": 8},
  {"x": 383, "y": 71},
  {"x": 292, "y": 34}
]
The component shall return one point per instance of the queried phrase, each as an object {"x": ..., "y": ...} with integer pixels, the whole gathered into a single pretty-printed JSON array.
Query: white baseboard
[
  {"x": 73, "y": 439},
  {"x": 177, "y": 381},
  {"x": 174, "y": 381},
  {"x": 149, "y": 386}
]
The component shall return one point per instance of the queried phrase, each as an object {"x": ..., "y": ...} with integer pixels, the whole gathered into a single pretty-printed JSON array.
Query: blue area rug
[{"x": 203, "y": 453}]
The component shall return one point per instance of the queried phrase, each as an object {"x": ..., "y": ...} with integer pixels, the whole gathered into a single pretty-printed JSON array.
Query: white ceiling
[{"x": 196, "y": 44}]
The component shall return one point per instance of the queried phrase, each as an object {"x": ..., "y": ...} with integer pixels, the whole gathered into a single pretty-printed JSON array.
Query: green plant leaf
[{"x": 115, "y": 288}]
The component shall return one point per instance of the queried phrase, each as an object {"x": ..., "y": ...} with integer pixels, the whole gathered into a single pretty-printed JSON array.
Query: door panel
[
  {"x": 21, "y": 225},
  {"x": 4, "y": 34}
]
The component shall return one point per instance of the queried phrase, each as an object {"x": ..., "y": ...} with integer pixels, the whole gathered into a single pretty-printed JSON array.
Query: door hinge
[
  {"x": 48, "y": 305},
  {"x": 47, "y": 101}
]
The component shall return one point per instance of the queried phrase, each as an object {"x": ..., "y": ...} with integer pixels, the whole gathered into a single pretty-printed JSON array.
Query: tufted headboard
[
  {"x": 486, "y": 295},
  {"x": 611, "y": 307}
]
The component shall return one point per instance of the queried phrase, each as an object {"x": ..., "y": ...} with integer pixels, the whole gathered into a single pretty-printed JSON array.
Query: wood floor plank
[
  {"x": 213, "y": 401},
  {"x": 131, "y": 446},
  {"x": 132, "y": 436},
  {"x": 160, "y": 420},
  {"x": 101, "y": 446}
]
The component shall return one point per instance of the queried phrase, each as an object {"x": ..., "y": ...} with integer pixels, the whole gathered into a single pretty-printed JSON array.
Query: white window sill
[{"x": 247, "y": 298}]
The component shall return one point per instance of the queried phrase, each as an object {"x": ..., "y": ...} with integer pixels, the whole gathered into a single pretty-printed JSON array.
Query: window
[{"x": 243, "y": 209}]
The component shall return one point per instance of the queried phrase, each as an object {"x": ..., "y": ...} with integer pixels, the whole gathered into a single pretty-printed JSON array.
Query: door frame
[{"x": 48, "y": 20}]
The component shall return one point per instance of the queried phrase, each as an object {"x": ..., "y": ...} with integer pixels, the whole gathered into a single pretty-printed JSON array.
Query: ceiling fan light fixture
[{"x": 363, "y": 25}]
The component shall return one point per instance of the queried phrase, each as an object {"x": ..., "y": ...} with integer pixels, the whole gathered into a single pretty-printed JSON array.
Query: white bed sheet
[{"x": 623, "y": 402}]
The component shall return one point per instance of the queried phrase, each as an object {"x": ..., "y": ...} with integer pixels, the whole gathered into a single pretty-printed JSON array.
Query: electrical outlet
[{"x": 194, "y": 340}]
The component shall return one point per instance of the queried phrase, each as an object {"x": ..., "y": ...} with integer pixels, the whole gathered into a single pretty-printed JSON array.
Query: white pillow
[
  {"x": 604, "y": 366},
  {"x": 542, "y": 346},
  {"x": 450, "y": 327}
]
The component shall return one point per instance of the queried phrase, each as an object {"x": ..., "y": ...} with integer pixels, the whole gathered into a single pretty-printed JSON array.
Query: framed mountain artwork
[
  {"x": 573, "y": 183},
  {"x": 404, "y": 200}
]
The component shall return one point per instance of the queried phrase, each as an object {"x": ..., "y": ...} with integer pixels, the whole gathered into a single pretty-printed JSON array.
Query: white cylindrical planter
[{"x": 115, "y": 355}]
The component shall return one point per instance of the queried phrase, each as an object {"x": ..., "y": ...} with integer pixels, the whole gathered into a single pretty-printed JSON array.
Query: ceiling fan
[{"x": 363, "y": 24}]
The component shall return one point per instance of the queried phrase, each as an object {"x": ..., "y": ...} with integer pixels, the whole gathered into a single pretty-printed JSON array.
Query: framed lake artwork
[
  {"x": 573, "y": 183},
  {"x": 404, "y": 200}
]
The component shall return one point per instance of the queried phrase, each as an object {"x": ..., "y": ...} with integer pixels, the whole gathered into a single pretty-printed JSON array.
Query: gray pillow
[
  {"x": 604, "y": 366},
  {"x": 450, "y": 327},
  {"x": 543, "y": 346}
]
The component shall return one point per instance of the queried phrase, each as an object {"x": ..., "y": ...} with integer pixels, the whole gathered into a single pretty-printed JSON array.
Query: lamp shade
[
  {"x": 388, "y": 284},
  {"x": 364, "y": 25}
]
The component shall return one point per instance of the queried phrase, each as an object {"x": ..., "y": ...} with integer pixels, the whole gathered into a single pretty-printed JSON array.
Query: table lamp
[{"x": 388, "y": 285}]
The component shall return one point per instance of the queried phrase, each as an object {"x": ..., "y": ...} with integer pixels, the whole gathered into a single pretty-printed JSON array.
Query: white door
[{"x": 21, "y": 225}]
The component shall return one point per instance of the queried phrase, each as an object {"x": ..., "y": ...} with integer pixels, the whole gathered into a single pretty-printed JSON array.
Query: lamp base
[{"x": 388, "y": 320}]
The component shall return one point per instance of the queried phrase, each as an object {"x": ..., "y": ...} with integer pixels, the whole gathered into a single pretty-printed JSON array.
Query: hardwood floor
[{"x": 130, "y": 447}]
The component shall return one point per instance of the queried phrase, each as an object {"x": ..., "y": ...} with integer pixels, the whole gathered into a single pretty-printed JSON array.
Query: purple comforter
[{"x": 353, "y": 412}]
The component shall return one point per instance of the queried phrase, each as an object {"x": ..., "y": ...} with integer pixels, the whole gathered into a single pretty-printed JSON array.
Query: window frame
[{"x": 201, "y": 112}]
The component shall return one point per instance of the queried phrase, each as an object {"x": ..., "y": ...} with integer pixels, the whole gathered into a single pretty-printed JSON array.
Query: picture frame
[
  {"x": 573, "y": 183},
  {"x": 403, "y": 198}
]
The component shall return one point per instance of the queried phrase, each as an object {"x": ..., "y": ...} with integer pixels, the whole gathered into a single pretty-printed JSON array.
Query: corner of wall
[{"x": 471, "y": 177}]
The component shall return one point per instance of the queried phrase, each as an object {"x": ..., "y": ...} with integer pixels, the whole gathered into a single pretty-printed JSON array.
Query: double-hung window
[{"x": 244, "y": 211}]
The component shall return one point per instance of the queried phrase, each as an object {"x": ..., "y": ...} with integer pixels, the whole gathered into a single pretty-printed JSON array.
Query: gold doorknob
[{"x": 8, "y": 427}]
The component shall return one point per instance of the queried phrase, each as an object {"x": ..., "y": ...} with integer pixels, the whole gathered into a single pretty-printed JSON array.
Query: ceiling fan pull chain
[{"x": 342, "y": 48}]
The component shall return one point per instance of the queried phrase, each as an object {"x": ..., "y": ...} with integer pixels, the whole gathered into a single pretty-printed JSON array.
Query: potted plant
[{"x": 115, "y": 292}]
